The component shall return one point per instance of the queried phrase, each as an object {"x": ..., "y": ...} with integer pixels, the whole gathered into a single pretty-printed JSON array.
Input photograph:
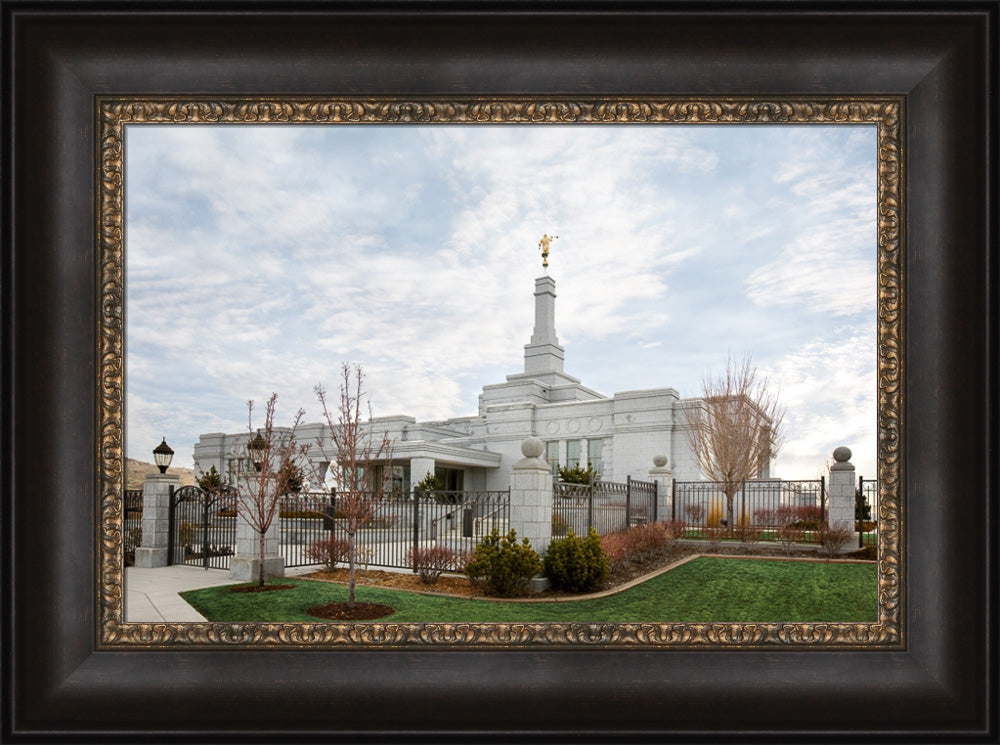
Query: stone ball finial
[
  {"x": 842, "y": 454},
  {"x": 659, "y": 461},
  {"x": 532, "y": 447}
]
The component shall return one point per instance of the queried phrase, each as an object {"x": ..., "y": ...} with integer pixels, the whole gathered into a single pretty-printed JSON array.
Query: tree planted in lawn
[
  {"x": 738, "y": 429},
  {"x": 272, "y": 452},
  {"x": 357, "y": 449}
]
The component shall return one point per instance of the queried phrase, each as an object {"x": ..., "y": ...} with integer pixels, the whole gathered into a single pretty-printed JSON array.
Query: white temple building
[{"x": 618, "y": 435}]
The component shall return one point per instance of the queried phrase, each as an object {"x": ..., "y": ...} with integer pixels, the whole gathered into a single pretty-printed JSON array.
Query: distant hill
[{"x": 136, "y": 470}]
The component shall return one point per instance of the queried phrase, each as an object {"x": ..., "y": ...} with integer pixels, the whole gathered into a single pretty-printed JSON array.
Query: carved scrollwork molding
[{"x": 114, "y": 114}]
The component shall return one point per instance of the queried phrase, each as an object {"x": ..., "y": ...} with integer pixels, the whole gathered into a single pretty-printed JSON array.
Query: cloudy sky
[{"x": 260, "y": 258}]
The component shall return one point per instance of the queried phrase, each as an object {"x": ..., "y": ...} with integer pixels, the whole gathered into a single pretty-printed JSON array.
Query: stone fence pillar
[
  {"x": 155, "y": 520},
  {"x": 245, "y": 565},
  {"x": 661, "y": 474},
  {"x": 840, "y": 510},
  {"x": 531, "y": 496}
]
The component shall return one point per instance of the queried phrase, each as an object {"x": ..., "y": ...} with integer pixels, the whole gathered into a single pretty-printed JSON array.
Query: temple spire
[{"x": 543, "y": 354}]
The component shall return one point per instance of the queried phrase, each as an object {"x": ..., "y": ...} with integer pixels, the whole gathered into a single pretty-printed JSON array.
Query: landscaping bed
[{"x": 454, "y": 584}]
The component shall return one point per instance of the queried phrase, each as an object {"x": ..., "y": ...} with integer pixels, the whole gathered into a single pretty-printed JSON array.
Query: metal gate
[
  {"x": 605, "y": 506},
  {"x": 202, "y": 526}
]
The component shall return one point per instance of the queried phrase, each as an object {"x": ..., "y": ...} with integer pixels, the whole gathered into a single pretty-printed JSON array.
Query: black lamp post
[
  {"x": 257, "y": 450},
  {"x": 162, "y": 455}
]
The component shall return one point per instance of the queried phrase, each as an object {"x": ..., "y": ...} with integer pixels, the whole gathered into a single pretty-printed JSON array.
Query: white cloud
[{"x": 260, "y": 258}]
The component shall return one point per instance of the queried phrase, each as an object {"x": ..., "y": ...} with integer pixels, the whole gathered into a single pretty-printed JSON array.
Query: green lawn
[{"x": 706, "y": 589}]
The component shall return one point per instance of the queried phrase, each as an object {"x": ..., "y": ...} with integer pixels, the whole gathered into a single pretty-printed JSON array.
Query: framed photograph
[{"x": 914, "y": 84}]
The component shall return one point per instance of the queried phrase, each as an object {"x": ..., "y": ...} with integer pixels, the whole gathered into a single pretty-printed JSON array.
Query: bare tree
[
  {"x": 357, "y": 450},
  {"x": 272, "y": 453},
  {"x": 738, "y": 429}
]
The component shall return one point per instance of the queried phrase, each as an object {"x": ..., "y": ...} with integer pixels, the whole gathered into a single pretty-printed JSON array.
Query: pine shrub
[
  {"x": 502, "y": 565},
  {"x": 577, "y": 564}
]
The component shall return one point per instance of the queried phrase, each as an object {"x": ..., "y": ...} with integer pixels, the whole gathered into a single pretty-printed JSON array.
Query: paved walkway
[{"x": 151, "y": 595}]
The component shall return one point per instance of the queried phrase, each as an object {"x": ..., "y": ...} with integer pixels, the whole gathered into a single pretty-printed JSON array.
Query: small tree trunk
[
  {"x": 260, "y": 569},
  {"x": 350, "y": 571}
]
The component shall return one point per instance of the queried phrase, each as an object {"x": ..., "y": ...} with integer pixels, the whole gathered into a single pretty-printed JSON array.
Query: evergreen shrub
[
  {"x": 502, "y": 565},
  {"x": 576, "y": 564}
]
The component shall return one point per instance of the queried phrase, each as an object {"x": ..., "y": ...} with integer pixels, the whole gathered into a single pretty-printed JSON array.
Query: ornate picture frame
[
  {"x": 73, "y": 670},
  {"x": 886, "y": 114}
]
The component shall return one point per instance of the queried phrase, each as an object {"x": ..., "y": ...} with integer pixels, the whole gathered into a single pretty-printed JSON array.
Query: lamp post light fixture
[
  {"x": 162, "y": 455},
  {"x": 257, "y": 450}
]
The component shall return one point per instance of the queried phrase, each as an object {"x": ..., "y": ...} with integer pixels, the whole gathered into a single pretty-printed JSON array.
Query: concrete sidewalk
[{"x": 151, "y": 595}]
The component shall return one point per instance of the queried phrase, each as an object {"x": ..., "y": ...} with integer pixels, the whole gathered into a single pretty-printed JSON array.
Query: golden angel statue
[{"x": 544, "y": 245}]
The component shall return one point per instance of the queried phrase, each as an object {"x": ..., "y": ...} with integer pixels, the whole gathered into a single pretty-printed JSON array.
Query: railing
[
  {"x": 766, "y": 504},
  {"x": 457, "y": 520},
  {"x": 868, "y": 490},
  {"x": 606, "y": 506},
  {"x": 132, "y": 527}
]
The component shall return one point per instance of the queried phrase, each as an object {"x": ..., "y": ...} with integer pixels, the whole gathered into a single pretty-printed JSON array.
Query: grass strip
[{"x": 704, "y": 590}]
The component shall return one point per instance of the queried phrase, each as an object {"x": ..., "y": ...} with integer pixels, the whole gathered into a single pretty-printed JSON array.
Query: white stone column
[
  {"x": 840, "y": 507},
  {"x": 419, "y": 468},
  {"x": 531, "y": 496},
  {"x": 245, "y": 565},
  {"x": 663, "y": 476},
  {"x": 155, "y": 520}
]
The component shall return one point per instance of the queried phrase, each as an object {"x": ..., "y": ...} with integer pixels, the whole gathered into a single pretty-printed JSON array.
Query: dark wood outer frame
[{"x": 59, "y": 687}]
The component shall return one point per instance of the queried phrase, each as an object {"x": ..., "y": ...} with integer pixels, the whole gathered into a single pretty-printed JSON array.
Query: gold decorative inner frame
[{"x": 113, "y": 114}]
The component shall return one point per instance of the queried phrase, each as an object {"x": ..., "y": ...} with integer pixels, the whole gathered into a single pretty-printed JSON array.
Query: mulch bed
[{"x": 360, "y": 612}]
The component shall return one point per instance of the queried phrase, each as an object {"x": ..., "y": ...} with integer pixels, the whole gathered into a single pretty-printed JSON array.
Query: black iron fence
[
  {"x": 606, "y": 506},
  {"x": 314, "y": 526},
  {"x": 866, "y": 510},
  {"x": 132, "y": 526},
  {"x": 202, "y": 527},
  {"x": 764, "y": 504}
]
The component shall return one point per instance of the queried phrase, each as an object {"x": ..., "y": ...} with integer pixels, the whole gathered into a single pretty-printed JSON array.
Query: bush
[
  {"x": 432, "y": 561},
  {"x": 833, "y": 539},
  {"x": 748, "y": 534},
  {"x": 646, "y": 542},
  {"x": 695, "y": 513},
  {"x": 211, "y": 481},
  {"x": 714, "y": 537},
  {"x": 575, "y": 564},
  {"x": 641, "y": 544},
  {"x": 577, "y": 474},
  {"x": 789, "y": 535},
  {"x": 673, "y": 529},
  {"x": 615, "y": 547},
  {"x": 289, "y": 513},
  {"x": 503, "y": 566},
  {"x": 328, "y": 551}
]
